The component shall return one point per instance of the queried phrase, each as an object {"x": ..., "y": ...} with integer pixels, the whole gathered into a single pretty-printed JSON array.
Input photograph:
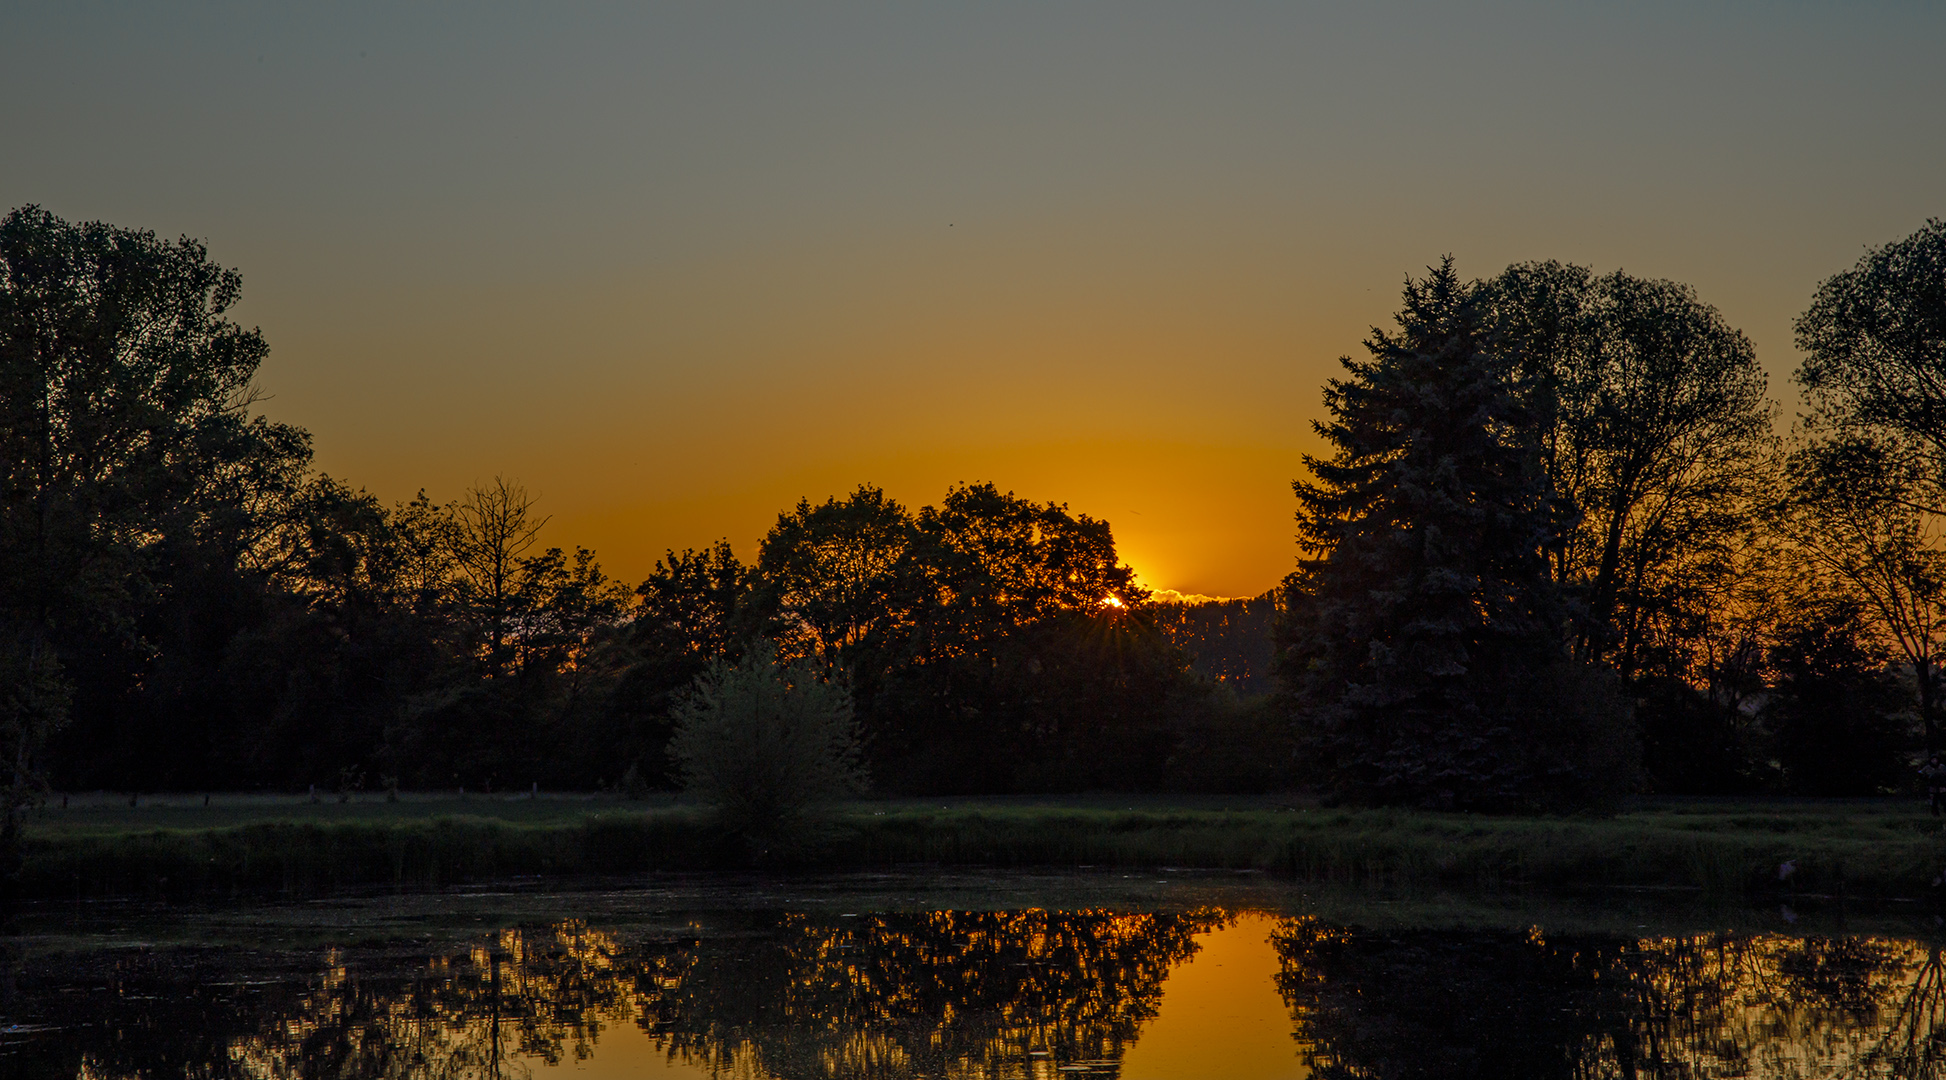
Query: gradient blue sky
[{"x": 674, "y": 267}]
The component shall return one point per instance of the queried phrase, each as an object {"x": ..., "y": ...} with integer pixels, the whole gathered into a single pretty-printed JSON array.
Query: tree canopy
[
  {"x": 1553, "y": 531},
  {"x": 129, "y": 459},
  {"x": 1874, "y": 342},
  {"x": 1425, "y": 633},
  {"x": 1655, "y": 433}
]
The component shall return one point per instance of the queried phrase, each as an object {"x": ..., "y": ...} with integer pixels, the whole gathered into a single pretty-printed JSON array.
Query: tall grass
[{"x": 1719, "y": 849}]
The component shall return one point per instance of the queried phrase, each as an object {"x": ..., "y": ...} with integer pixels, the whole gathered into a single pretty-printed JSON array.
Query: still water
[{"x": 890, "y": 977}]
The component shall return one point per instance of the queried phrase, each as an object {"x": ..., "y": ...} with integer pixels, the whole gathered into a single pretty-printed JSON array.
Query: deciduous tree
[
  {"x": 128, "y": 454},
  {"x": 830, "y": 571},
  {"x": 1655, "y": 433},
  {"x": 489, "y": 534},
  {"x": 1874, "y": 342},
  {"x": 1854, "y": 511}
]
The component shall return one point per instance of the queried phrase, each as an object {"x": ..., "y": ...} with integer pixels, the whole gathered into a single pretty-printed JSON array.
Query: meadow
[{"x": 178, "y": 847}]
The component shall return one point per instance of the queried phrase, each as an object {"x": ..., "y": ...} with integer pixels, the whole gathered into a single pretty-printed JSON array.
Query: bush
[{"x": 768, "y": 747}]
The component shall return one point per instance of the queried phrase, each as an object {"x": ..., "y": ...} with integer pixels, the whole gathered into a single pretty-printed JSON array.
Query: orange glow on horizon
[
  {"x": 715, "y": 263},
  {"x": 1192, "y": 517}
]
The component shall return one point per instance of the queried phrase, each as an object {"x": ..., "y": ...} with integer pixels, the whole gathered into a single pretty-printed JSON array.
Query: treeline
[
  {"x": 1228, "y": 641},
  {"x": 186, "y": 605},
  {"x": 1558, "y": 550},
  {"x": 990, "y": 643}
]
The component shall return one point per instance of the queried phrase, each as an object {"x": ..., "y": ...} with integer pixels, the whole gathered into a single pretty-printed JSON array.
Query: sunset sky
[{"x": 676, "y": 267}]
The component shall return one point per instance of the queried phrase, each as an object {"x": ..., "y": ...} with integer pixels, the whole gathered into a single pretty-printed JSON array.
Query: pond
[{"x": 1020, "y": 975}]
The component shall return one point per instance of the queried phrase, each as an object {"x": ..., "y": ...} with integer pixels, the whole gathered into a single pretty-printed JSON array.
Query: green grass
[{"x": 242, "y": 845}]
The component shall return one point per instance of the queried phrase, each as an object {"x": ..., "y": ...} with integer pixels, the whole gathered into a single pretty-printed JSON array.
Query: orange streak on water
[{"x": 1221, "y": 1014}]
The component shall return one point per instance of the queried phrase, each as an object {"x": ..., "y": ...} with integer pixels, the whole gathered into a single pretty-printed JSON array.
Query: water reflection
[
  {"x": 978, "y": 994},
  {"x": 969, "y": 993},
  {"x": 1428, "y": 1004},
  {"x": 538, "y": 996},
  {"x": 991, "y": 994}
]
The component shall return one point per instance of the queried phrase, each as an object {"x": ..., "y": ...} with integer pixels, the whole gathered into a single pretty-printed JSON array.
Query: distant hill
[{"x": 1227, "y": 640}]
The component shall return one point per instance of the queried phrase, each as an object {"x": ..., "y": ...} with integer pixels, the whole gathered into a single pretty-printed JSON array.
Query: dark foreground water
[{"x": 970, "y": 976}]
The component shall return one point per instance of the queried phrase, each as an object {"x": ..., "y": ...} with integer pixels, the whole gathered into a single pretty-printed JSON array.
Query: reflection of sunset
[
  {"x": 1035, "y": 995},
  {"x": 1220, "y": 1013},
  {"x": 972, "y": 994}
]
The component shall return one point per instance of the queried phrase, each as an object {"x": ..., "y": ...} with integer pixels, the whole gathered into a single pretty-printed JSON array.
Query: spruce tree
[{"x": 1424, "y": 640}]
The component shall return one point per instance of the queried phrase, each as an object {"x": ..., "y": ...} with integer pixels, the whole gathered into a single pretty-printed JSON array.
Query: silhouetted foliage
[
  {"x": 767, "y": 747},
  {"x": 1694, "y": 743},
  {"x": 1227, "y": 744},
  {"x": 1553, "y": 518},
  {"x": 991, "y": 643},
  {"x": 1855, "y": 505},
  {"x": 1837, "y": 717},
  {"x": 1874, "y": 340},
  {"x": 137, "y": 486},
  {"x": 1425, "y": 638},
  {"x": 837, "y": 574},
  {"x": 1026, "y": 660},
  {"x": 1654, "y": 431},
  {"x": 1228, "y": 733},
  {"x": 1229, "y": 642},
  {"x": 698, "y": 608}
]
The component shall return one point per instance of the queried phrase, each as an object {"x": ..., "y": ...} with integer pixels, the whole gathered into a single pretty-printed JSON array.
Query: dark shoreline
[{"x": 1719, "y": 848}]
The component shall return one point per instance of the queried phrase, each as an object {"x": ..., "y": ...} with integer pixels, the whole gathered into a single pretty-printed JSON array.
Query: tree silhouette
[
  {"x": 831, "y": 572},
  {"x": 1874, "y": 340},
  {"x": 1424, "y": 631},
  {"x": 1838, "y": 717},
  {"x": 491, "y": 531},
  {"x": 1026, "y": 624},
  {"x": 1853, "y": 509},
  {"x": 1654, "y": 431},
  {"x": 696, "y": 609},
  {"x": 128, "y": 456}
]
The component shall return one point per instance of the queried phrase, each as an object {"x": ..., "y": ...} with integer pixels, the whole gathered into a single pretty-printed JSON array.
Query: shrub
[{"x": 767, "y": 746}]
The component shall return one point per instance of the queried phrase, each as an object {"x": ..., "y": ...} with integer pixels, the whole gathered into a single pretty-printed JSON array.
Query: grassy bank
[{"x": 241, "y": 846}]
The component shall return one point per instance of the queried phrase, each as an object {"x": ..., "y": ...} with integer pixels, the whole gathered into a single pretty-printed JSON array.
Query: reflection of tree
[
  {"x": 530, "y": 995},
  {"x": 975, "y": 995},
  {"x": 1736, "y": 1004},
  {"x": 924, "y": 994},
  {"x": 1407, "y": 1004},
  {"x": 966, "y": 993},
  {"x": 136, "y": 1013},
  {"x": 1913, "y": 1031},
  {"x": 1434, "y": 1004}
]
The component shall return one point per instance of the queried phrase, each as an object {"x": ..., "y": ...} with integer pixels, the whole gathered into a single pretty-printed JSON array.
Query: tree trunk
[{"x": 1924, "y": 675}]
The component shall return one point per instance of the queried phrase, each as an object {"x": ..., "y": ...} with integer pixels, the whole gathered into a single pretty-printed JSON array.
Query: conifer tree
[{"x": 1424, "y": 641}]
